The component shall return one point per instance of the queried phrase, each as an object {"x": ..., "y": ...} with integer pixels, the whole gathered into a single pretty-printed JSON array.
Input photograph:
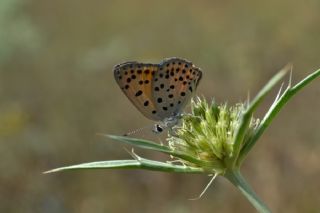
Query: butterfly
[{"x": 159, "y": 91}]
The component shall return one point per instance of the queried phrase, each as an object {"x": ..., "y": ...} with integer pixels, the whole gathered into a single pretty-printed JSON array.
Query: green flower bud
[{"x": 208, "y": 133}]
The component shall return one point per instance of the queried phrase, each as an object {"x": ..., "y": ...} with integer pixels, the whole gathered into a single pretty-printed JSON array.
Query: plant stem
[
  {"x": 274, "y": 110},
  {"x": 235, "y": 177},
  {"x": 247, "y": 115}
]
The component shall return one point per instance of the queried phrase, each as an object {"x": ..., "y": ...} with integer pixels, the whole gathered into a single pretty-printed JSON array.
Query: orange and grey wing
[
  {"x": 135, "y": 80},
  {"x": 173, "y": 86}
]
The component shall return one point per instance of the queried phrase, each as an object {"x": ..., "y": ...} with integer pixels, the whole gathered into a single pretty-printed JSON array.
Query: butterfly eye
[{"x": 157, "y": 128}]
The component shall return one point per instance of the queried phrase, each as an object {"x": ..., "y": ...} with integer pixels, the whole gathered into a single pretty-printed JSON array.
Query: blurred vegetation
[
  {"x": 57, "y": 91},
  {"x": 18, "y": 33}
]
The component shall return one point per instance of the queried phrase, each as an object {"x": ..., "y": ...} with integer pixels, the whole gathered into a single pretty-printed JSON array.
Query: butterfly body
[{"x": 159, "y": 91}]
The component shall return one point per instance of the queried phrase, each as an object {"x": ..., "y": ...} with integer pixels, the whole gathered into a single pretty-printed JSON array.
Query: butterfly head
[{"x": 167, "y": 123}]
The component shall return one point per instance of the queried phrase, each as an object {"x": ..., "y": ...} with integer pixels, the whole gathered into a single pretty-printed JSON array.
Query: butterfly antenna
[
  {"x": 205, "y": 189},
  {"x": 136, "y": 131}
]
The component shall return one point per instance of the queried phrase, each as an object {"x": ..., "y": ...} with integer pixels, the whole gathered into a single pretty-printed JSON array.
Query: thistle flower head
[{"x": 208, "y": 133}]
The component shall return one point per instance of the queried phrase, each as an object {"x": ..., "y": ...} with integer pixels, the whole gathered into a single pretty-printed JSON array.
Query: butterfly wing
[
  {"x": 173, "y": 86},
  {"x": 135, "y": 80}
]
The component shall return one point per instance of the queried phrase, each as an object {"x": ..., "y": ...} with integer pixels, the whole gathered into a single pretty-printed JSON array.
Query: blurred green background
[{"x": 57, "y": 91}]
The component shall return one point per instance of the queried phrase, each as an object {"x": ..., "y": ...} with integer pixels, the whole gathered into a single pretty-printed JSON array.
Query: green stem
[
  {"x": 235, "y": 177},
  {"x": 247, "y": 115},
  {"x": 274, "y": 110}
]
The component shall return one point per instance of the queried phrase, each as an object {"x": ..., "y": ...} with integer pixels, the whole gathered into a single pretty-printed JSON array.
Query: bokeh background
[{"x": 57, "y": 91}]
